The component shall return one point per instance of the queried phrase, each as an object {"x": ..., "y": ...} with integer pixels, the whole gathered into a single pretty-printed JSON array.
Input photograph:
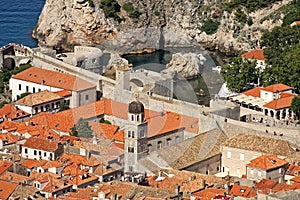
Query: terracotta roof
[
  {"x": 107, "y": 131},
  {"x": 41, "y": 144},
  {"x": 11, "y": 112},
  {"x": 7, "y": 188},
  {"x": 30, "y": 163},
  {"x": 257, "y": 54},
  {"x": 8, "y": 138},
  {"x": 293, "y": 170},
  {"x": 279, "y": 87},
  {"x": 262, "y": 144},
  {"x": 280, "y": 103},
  {"x": 242, "y": 191},
  {"x": 64, "y": 93},
  {"x": 9, "y": 126},
  {"x": 208, "y": 193},
  {"x": 267, "y": 162},
  {"x": 264, "y": 186},
  {"x": 53, "y": 79},
  {"x": 4, "y": 166},
  {"x": 188, "y": 181},
  {"x": 253, "y": 92},
  {"x": 157, "y": 123},
  {"x": 79, "y": 160},
  {"x": 9, "y": 176},
  {"x": 38, "y": 98}
]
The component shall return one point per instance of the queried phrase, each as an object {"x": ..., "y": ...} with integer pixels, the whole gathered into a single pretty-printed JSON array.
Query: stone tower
[{"x": 136, "y": 136}]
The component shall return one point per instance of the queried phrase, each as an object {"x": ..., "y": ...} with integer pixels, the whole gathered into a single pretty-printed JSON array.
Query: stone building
[{"x": 267, "y": 167}]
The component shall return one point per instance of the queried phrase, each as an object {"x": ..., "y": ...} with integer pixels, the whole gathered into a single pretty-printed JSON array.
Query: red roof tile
[
  {"x": 253, "y": 92},
  {"x": 267, "y": 162},
  {"x": 242, "y": 191},
  {"x": 280, "y": 103},
  {"x": 4, "y": 166},
  {"x": 265, "y": 185},
  {"x": 279, "y": 87},
  {"x": 8, "y": 138},
  {"x": 53, "y": 79},
  {"x": 257, "y": 54},
  {"x": 41, "y": 144},
  {"x": 63, "y": 93},
  {"x": 11, "y": 112},
  {"x": 107, "y": 131},
  {"x": 209, "y": 193},
  {"x": 39, "y": 98},
  {"x": 7, "y": 188}
]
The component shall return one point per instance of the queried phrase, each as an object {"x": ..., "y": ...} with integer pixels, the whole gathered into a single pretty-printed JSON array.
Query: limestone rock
[{"x": 186, "y": 65}]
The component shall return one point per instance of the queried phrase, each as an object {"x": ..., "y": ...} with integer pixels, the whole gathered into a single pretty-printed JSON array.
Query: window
[
  {"x": 132, "y": 118},
  {"x": 52, "y": 105},
  {"x": 129, "y": 134},
  {"x": 27, "y": 89},
  {"x": 40, "y": 153},
  {"x": 40, "y": 90},
  {"x": 42, "y": 108},
  {"x": 138, "y": 118},
  {"x": 25, "y": 150},
  {"x": 45, "y": 154},
  {"x": 169, "y": 142},
  {"x": 159, "y": 145},
  {"x": 86, "y": 97},
  {"x": 132, "y": 134},
  {"x": 47, "y": 107},
  {"x": 130, "y": 150},
  {"x": 35, "y": 152},
  {"x": 20, "y": 87},
  {"x": 242, "y": 156},
  {"x": 177, "y": 139},
  {"x": 228, "y": 154},
  {"x": 36, "y": 110},
  {"x": 33, "y": 89}
]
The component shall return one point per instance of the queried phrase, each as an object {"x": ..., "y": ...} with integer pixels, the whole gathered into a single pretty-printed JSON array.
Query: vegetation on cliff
[
  {"x": 111, "y": 8},
  {"x": 250, "y": 5}
]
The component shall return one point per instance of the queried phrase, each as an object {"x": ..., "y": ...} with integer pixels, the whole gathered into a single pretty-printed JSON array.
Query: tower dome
[{"x": 136, "y": 107}]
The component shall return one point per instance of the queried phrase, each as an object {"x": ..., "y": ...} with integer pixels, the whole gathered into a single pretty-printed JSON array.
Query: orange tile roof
[
  {"x": 208, "y": 193},
  {"x": 9, "y": 126},
  {"x": 79, "y": 160},
  {"x": 9, "y": 138},
  {"x": 257, "y": 54},
  {"x": 292, "y": 169},
  {"x": 253, "y": 92},
  {"x": 63, "y": 93},
  {"x": 30, "y": 163},
  {"x": 107, "y": 131},
  {"x": 279, "y": 87},
  {"x": 242, "y": 191},
  {"x": 53, "y": 79},
  {"x": 9, "y": 176},
  {"x": 39, "y": 98},
  {"x": 264, "y": 186},
  {"x": 7, "y": 188},
  {"x": 41, "y": 144},
  {"x": 280, "y": 103},
  {"x": 157, "y": 123},
  {"x": 12, "y": 112},
  {"x": 281, "y": 187},
  {"x": 296, "y": 179},
  {"x": 267, "y": 162},
  {"x": 4, "y": 165}
]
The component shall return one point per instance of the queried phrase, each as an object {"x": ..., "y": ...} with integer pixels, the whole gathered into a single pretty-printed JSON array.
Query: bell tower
[{"x": 136, "y": 137}]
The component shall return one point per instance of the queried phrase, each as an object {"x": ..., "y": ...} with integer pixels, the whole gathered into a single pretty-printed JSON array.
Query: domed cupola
[{"x": 136, "y": 107}]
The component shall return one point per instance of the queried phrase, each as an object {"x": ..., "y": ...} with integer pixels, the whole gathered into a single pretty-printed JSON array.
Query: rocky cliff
[{"x": 150, "y": 24}]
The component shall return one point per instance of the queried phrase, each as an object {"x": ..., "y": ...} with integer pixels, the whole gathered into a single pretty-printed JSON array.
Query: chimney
[
  {"x": 204, "y": 183},
  {"x": 10, "y": 178}
]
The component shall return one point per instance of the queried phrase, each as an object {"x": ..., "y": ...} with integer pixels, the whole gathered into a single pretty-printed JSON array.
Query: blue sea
[{"x": 17, "y": 20}]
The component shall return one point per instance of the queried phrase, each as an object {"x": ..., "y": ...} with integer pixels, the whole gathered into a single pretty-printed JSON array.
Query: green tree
[
  {"x": 64, "y": 106},
  {"x": 210, "y": 26},
  {"x": 82, "y": 129},
  {"x": 2, "y": 103},
  {"x": 111, "y": 8},
  {"x": 295, "y": 106},
  {"x": 104, "y": 121},
  {"x": 240, "y": 74},
  {"x": 23, "y": 95}
]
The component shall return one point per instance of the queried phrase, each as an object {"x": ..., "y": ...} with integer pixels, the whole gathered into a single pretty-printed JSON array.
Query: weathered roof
[
  {"x": 39, "y": 98},
  {"x": 41, "y": 144},
  {"x": 262, "y": 144},
  {"x": 257, "y": 54}
]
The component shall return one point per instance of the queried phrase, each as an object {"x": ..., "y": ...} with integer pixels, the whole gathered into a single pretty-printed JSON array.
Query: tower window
[
  {"x": 132, "y": 134},
  {"x": 132, "y": 118},
  {"x": 138, "y": 118},
  {"x": 159, "y": 145},
  {"x": 130, "y": 150},
  {"x": 129, "y": 134}
]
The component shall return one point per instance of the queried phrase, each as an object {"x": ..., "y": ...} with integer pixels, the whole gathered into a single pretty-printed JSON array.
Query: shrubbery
[
  {"x": 210, "y": 26},
  {"x": 111, "y": 8}
]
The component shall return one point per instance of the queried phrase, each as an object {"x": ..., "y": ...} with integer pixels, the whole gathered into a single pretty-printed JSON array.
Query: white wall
[
  {"x": 14, "y": 86},
  {"x": 30, "y": 154}
]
